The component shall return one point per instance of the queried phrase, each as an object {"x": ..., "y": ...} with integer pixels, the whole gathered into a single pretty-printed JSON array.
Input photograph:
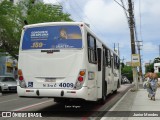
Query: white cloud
[
  {"x": 108, "y": 21},
  {"x": 150, "y": 47},
  {"x": 51, "y": 1},
  {"x": 107, "y": 16}
]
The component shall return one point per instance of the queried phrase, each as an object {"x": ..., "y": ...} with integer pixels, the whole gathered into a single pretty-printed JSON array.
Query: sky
[{"x": 108, "y": 21}]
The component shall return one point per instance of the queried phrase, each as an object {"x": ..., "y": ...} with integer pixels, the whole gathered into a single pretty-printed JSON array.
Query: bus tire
[
  {"x": 0, "y": 89},
  {"x": 118, "y": 86}
]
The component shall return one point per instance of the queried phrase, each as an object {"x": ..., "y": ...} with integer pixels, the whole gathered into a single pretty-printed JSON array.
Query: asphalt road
[{"x": 51, "y": 110}]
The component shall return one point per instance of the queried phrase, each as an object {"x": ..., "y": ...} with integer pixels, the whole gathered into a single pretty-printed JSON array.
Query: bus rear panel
[{"x": 51, "y": 62}]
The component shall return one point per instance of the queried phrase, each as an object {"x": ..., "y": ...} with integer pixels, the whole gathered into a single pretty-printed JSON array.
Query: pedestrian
[
  {"x": 147, "y": 84},
  {"x": 153, "y": 85}
]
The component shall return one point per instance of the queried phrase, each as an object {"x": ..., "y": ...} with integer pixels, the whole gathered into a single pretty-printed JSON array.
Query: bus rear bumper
[{"x": 53, "y": 93}]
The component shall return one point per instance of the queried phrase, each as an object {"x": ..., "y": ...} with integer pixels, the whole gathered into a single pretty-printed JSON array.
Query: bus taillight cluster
[
  {"x": 20, "y": 74},
  {"x": 81, "y": 75},
  {"x": 21, "y": 79}
]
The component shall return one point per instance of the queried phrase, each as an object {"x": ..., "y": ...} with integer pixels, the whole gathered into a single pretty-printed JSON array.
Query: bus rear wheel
[{"x": 118, "y": 86}]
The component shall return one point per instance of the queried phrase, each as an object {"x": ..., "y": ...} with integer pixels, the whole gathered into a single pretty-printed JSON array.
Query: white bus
[{"x": 66, "y": 60}]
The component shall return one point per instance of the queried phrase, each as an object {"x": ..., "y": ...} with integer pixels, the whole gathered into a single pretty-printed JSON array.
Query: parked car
[
  {"x": 8, "y": 83},
  {"x": 125, "y": 80}
]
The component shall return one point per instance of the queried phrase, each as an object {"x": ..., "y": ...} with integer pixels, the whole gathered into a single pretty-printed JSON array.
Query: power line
[
  {"x": 125, "y": 11},
  {"x": 60, "y": 5},
  {"x": 121, "y": 6},
  {"x": 140, "y": 20},
  {"x": 76, "y": 13},
  {"x": 74, "y": 10},
  {"x": 88, "y": 19}
]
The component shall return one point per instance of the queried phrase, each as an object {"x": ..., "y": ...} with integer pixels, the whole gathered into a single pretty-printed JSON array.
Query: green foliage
[
  {"x": 9, "y": 28},
  {"x": 122, "y": 65},
  {"x": 158, "y": 75},
  {"x": 12, "y": 19},
  {"x": 150, "y": 68},
  {"x": 157, "y": 60},
  {"x": 127, "y": 71}
]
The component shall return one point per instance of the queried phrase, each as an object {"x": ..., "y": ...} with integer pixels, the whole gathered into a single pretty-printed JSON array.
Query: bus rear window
[{"x": 52, "y": 37}]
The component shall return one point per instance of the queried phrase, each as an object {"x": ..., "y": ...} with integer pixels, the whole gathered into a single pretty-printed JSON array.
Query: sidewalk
[{"x": 135, "y": 106}]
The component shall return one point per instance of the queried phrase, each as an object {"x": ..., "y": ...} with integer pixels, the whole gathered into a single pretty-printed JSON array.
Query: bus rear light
[
  {"x": 71, "y": 91},
  {"x": 20, "y": 78},
  {"x": 20, "y": 72},
  {"x": 27, "y": 90},
  {"x": 80, "y": 79},
  {"x": 82, "y": 73}
]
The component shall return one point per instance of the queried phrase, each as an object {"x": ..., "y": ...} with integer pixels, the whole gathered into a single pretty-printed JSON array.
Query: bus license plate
[{"x": 50, "y": 80}]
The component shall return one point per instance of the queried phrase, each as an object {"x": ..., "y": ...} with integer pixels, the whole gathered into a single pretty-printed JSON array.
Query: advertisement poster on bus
[{"x": 52, "y": 37}]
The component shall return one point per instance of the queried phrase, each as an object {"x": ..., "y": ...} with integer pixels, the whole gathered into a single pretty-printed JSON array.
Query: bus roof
[{"x": 53, "y": 23}]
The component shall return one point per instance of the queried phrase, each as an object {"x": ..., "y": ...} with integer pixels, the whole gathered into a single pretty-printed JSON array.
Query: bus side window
[
  {"x": 99, "y": 52},
  {"x": 115, "y": 61},
  {"x": 109, "y": 58},
  {"x": 92, "y": 50},
  {"x": 106, "y": 57},
  {"x": 118, "y": 63}
]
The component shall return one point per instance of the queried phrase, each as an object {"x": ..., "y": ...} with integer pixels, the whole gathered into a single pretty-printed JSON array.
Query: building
[
  {"x": 129, "y": 63},
  {"x": 8, "y": 66}
]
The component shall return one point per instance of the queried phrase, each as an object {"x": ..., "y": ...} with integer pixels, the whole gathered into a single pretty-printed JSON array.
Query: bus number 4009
[{"x": 68, "y": 85}]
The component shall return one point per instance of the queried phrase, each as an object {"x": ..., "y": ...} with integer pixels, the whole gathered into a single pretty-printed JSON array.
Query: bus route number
[
  {"x": 66, "y": 85},
  {"x": 37, "y": 45}
]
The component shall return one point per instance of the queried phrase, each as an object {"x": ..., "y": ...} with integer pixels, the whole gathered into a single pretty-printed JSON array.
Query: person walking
[
  {"x": 153, "y": 85},
  {"x": 146, "y": 84}
]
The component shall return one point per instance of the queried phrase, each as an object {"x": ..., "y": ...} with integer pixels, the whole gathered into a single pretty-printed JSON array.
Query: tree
[
  {"x": 127, "y": 71},
  {"x": 9, "y": 28},
  {"x": 157, "y": 60},
  {"x": 12, "y": 19},
  {"x": 150, "y": 68}
]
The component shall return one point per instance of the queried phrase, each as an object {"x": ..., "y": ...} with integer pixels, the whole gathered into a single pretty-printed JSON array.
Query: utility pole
[
  {"x": 131, "y": 25},
  {"x": 139, "y": 52},
  {"x": 159, "y": 50}
]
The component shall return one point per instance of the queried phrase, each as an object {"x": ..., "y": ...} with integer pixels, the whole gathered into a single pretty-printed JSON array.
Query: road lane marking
[
  {"x": 8, "y": 100},
  {"x": 112, "y": 109},
  {"x": 122, "y": 89},
  {"x": 30, "y": 106}
]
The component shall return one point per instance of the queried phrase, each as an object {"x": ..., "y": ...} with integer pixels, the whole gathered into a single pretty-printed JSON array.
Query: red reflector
[
  {"x": 27, "y": 90},
  {"x": 80, "y": 79},
  {"x": 73, "y": 91},
  {"x": 20, "y": 78}
]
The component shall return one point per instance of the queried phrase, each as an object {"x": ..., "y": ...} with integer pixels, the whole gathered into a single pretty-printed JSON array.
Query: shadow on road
[
  {"x": 75, "y": 108},
  {"x": 8, "y": 93}
]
